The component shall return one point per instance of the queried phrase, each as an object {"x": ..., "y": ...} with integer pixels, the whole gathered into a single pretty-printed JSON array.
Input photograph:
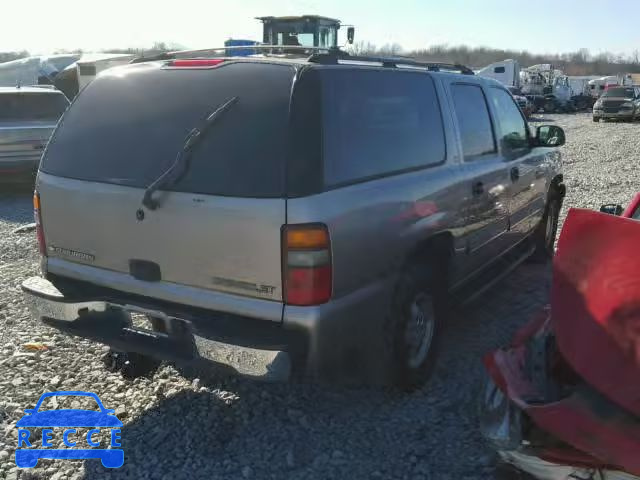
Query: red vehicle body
[{"x": 563, "y": 400}]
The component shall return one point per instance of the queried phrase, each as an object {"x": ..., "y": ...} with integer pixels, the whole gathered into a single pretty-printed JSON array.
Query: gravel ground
[{"x": 178, "y": 425}]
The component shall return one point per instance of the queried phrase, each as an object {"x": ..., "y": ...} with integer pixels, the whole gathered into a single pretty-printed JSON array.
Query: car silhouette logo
[{"x": 68, "y": 419}]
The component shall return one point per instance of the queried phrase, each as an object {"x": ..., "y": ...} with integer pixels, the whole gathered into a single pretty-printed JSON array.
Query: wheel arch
[
  {"x": 557, "y": 188},
  {"x": 436, "y": 250}
]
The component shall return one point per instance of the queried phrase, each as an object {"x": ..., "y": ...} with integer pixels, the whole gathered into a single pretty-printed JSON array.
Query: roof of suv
[{"x": 331, "y": 59}]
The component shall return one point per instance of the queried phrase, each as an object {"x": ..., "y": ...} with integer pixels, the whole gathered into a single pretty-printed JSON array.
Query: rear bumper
[
  {"x": 185, "y": 340},
  {"x": 332, "y": 341}
]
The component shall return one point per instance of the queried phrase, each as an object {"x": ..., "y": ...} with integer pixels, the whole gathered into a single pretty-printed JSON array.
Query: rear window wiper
[{"x": 180, "y": 165}]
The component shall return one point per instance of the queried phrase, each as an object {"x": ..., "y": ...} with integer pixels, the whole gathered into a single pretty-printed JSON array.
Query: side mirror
[
  {"x": 612, "y": 209},
  {"x": 550, "y": 136},
  {"x": 350, "y": 34}
]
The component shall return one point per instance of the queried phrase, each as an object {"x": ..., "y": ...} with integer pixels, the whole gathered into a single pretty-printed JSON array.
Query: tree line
[{"x": 581, "y": 62}]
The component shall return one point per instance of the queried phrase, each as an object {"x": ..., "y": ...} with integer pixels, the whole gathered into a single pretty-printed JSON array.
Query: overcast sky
[{"x": 541, "y": 26}]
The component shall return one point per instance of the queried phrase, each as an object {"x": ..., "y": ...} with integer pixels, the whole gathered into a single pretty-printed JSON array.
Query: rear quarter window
[
  {"x": 474, "y": 121},
  {"x": 379, "y": 123}
]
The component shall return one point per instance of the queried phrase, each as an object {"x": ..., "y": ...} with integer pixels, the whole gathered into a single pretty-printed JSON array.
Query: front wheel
[
  {"x": 416, "y": 321},
  {"x": 545, "y": 235},
  {"x": 596, "y": 119}
]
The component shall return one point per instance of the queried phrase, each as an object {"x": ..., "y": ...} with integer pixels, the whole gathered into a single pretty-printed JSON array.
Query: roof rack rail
[
  {"x": 41, "y": 85},
  {"x": 391, "y": 62},
  {"x": 259, "y": 49}
]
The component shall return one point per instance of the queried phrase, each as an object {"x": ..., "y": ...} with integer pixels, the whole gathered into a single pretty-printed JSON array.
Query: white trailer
[
  {"x": 580, "y": 84},
  {"x": 506, "y": 72},
  {"x": 597, "y": 86},
  {"x": 30, "y": 70}
]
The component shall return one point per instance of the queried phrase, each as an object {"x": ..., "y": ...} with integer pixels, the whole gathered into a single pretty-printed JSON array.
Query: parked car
[
  {"x": 523, "y": 102},
  {"x": 320, "y": 231},
  {"x": 28, "y": 116},
  {"x": 561, "y": 402},
  {"x": 621, "y": 103}
]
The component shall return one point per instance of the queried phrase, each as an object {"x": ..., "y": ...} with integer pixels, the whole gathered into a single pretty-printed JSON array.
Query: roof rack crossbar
[{"x": 390, "y": 62}]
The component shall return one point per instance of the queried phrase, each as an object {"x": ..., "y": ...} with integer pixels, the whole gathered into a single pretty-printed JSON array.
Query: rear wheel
[
  {"x": 416, "y": 320},
  {"x": 596, "y": 119},
  {"x": 545, "y": 235}
]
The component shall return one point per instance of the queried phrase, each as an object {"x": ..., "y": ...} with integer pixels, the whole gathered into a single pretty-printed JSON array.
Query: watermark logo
[{"x": 69, "y": 419}]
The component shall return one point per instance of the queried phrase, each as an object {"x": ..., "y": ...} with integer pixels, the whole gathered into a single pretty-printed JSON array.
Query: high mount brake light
[
  {"x": 306, "y": 263},
  {"x": 196, "y": 63}
]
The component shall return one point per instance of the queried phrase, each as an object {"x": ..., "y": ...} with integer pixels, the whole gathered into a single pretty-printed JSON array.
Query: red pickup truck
[{"x": 563, "y": 400}]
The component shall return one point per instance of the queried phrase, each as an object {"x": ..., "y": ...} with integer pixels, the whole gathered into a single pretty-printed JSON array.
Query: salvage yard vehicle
[
  {"x": 523, "y": 102},
  {"x": 28, "y": 116},
  {"x": 619, "y": 103},
  {"x": 562, "y": 401},
  {"x": 314, "y": 216},
  {"x": 551, "y": 90}
]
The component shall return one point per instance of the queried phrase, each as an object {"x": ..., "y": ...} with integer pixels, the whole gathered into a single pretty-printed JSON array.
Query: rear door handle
[
  {"x": 515, "y": 174},
  {"x": 478, "y": 188}
]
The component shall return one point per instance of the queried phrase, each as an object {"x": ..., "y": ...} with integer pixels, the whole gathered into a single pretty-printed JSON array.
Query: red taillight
[
  {"x": 42, "y": 246},
  {"x": 306, "y": 257},
  {"x": 197, "y": 62}
]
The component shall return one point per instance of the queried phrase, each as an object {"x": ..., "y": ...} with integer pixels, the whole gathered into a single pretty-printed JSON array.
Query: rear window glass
[
  {"x": 127, "y": 129},
  {"x": 378, "y": 123},
  {"x": 32, "y": 106}
]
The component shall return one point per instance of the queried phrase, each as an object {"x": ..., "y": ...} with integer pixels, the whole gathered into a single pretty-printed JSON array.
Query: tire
[
  {"x": 549, "y": 106},
  {"x": 596, "y": 119},
  {"x": 544, "y": 237},
  {"x": 418, "y": 313}
]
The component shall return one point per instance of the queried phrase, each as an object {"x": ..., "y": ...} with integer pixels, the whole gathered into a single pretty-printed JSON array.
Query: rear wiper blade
[{"x": 180, "y": 164}]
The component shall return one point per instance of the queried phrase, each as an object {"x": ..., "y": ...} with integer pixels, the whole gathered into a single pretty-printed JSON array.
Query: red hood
[{"x": 595, "y": 303}]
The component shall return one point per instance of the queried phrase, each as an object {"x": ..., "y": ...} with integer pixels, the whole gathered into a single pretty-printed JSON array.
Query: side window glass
[
  {"x": 476, "y": 131},
  {"x": 512, "y": 128},
  {"x": 379, "y": 123}
]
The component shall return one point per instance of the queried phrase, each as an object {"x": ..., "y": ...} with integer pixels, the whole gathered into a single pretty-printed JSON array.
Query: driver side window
[{"x": 513, "y": 133}]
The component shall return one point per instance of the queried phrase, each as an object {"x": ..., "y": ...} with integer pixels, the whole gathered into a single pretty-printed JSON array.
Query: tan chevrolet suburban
[{"x": 287, "y": 216}]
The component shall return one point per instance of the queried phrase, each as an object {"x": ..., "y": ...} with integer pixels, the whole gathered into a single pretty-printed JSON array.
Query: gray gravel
[{"x": 182, "y": 425}]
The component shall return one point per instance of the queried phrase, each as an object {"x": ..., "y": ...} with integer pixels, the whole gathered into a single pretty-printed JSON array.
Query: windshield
[
  {"x": 620, "y": 92},
  {"x": 32, "y": 106},
  {"x": 295, "y": 39}
]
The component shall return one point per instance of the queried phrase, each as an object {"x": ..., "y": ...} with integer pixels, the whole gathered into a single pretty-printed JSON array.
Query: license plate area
[{"x": 156, "y": 325}]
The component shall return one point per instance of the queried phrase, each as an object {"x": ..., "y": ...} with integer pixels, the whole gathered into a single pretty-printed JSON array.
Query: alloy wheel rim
[{"x": 420, "y": 330}]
